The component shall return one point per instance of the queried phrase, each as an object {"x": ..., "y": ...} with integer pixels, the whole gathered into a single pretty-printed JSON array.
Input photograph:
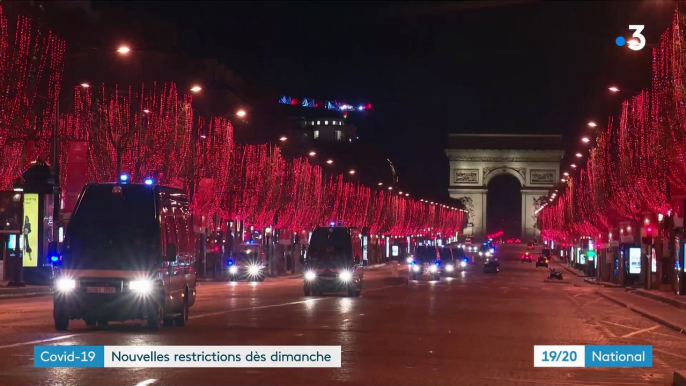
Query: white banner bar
[{"x": 223, "y": 356}]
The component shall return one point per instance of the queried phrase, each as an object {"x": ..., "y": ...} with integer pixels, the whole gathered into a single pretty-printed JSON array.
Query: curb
[
  {"x": 31, "y": 294},
  {"x": 602, "y": 283},
  {"x": 679, "y": 378},
  {"x": 671, "y": 302},
  {"x": 666, "y": 323}
]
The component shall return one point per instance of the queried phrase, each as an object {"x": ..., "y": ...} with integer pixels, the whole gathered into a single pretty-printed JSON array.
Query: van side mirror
[
  {"x": 171, "y": 252},
  {"x": 357, "y": 259}
]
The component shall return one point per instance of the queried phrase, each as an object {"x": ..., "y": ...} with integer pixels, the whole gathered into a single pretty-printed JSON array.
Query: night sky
[{"x": 428, "y": 68}]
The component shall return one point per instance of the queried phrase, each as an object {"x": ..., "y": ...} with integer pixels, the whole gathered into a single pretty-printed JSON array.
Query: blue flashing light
[
  {"x": 465, "y": 259},
  {"x": 413, "y": 262},
  {"x": 332, "y": 224},
  {"x": 360, "y": 107},
  {"x": 492, "y": 250},
  {"x": 438, "y": 263},
  {"x": 229, "y": 262},
  {"x": 124, "y": 177},
  {"x": 54, "y": 258},
  {"x": 148, "y": 181}
]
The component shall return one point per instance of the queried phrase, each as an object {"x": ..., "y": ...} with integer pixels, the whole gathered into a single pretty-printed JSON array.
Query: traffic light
[{"x": 648, "y": 239}]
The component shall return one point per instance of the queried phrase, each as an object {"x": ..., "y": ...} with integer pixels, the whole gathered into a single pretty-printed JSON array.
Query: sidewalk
[
  {"x": 664, "y": 297},
  {"x": 571, "y": 270},
  {"x": 659, "y": 312},
  {"x": 20, "y": 292}
]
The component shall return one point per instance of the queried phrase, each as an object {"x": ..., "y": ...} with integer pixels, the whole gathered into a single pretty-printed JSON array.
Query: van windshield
[
  {"x": 331, "y": 244},
  {"x": 113, "y": 231}
]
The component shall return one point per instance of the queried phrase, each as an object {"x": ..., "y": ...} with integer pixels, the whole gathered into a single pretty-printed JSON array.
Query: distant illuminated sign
[
  {"x": 653, "y": 265},
  {"x": 635, "y": 260},
  {"x": 590, "y": 255},
  {"x": 395, "y": 250}
]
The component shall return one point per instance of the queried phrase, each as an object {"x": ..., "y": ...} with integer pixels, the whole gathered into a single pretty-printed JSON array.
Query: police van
[{"x": 129, "y": 254}]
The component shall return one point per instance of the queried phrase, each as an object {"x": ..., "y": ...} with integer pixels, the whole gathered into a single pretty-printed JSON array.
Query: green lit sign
[{"x": 590, "y": 254}]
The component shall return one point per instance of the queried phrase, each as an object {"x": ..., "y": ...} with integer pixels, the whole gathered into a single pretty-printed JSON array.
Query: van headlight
[
  {"x": 65, "y": 285},
  {"x": 488, "y": 253},
  {"x": 409, "y": 260},
  {"x": 233, "y": 269},
  {"x": 481, "y": 253},
  {"x": 463, "y": 263},
  {"x": 345, "y": 276},
  {"x": 415, "y": 268},
  {"x": 141, "y": 286},
  {"x": 254, "y": 270},
  {"x": 449, "y": 268},
  {"x": 433, "y": 269},
  {"x": 310, "y": 275}
]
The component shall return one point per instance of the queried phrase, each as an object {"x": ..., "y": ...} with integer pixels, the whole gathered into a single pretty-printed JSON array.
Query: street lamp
[
  {"x": 283, "y": 139},
  {"x": 352, "y": 171},
  {"x": 592, "y": 124},
  {"x": 146, "y": 111},
  {"x": 613, "y": 89},
  {"x": 85, "y": 85},
  {"x": 313, "y": 153},
  {"x": 573, "y": 165},
  {"x": 579, "y": 155},
  {"x": 380, "y": 184},
  {"x": 123, "y": 49},
  {"x": 241, "y": 113},
  {"x": 329, "y": 161},
  {"x": 565, "y": 174},
  {"x": 196, "y": 89},
  {"x": 585, "y": 140}
]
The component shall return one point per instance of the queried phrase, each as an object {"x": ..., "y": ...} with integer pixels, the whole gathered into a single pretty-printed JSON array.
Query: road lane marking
[
  {"x": 39, "y": 341},
  {"x": 312, "y": 300},
  {"x": 668, "y": 353},
  {"x": 146, "y": 382},
  {"x": 640, "y": 331},
  {"x": 258, "y": 308}
]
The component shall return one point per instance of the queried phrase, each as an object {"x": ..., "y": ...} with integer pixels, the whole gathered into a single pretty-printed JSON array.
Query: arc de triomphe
[{"x": 475, "y": 159}]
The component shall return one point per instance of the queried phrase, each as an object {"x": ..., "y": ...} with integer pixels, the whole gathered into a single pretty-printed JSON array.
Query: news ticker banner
[
  {"x": 187, "y": 356},
  {"x": 593, "y": 356}
]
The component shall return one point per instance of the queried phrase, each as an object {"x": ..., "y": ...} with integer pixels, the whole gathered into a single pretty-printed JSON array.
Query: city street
[{"x": 475, "y": 329}]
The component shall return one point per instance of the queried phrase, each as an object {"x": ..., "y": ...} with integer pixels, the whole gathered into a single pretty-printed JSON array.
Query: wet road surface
[{"x": 474, "y": 329}]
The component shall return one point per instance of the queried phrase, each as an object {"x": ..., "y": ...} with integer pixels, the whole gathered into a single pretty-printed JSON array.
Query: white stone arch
[
  {"x": 499, "y": 171},
  {"x": 525, "y": 157}
]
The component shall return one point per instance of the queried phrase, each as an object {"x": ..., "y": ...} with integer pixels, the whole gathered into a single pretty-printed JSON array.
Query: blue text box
[
  {"x": 69, "y": 356},
  {"x": 619, "y": 356}
]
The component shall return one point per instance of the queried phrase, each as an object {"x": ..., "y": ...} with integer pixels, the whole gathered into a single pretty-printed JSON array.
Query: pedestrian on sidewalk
[{"x": 289, "y": 263}]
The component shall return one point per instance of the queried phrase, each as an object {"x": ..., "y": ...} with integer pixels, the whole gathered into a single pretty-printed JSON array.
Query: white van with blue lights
[
  {"x": 333, "y": 262},
  {"x": 129, "y": 254}
]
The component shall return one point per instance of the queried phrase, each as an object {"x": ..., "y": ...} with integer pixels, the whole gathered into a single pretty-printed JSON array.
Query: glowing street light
[
  {"x": 196, "y": 88},
  {"x": 146, "y": 111},
  {"x": 585, "y": 140},
  {"x": 563, "y": 180},
  {"x": 352, "y": 171},
  {"x": 579, "y": 155},
  {"x": 123, "y": 49},
  {"x": 573, "y": 165},
  {"x": 313, "y": 153},
  {"x": 380, "y": 183},
  {"x": 390, "y": 188},
  {"x": 613, "y": 89},
  {"x": 400, "y": 192},
  {"x": 85, "y": 85},
  {"x": 329, "y": 161},
  {"x": 241, "y": 113},
  {"x": 566, "y": 174},
  {"x": 407, "y": 194},
  {"x": 592, "y": 124},
  {"x": 283, "y": 139}
]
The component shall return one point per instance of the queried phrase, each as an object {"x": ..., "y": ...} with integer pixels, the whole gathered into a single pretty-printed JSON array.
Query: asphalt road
[{"x": 475, "y": 329}]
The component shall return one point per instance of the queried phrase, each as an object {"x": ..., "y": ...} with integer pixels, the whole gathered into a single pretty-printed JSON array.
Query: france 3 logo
[{"x": 637, "y": 42}]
